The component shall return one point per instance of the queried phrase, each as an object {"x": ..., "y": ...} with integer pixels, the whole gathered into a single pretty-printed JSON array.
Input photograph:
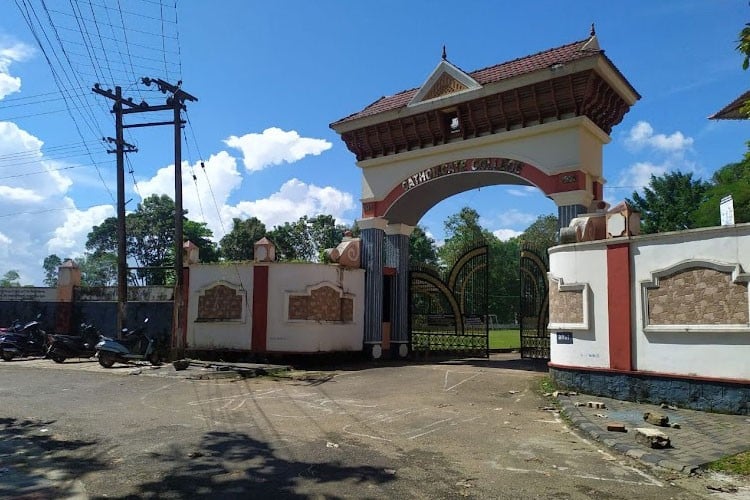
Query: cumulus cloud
[
  {"x": 275, "y": 146},
  {"x": 642, "y": 135},
  {"x": 10, "y": 53},
  {"x": 506, "y": 234},
  {"x": 293, "y": 200},
  {"x": 69, "y": 239},
  {"x": 515, "y": 217},
  {"x": 638, "y": 175}
]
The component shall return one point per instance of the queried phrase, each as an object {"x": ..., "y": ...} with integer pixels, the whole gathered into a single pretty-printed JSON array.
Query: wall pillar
[
  {"x": 570, "y": 205},
  {"x": 397, "y": 236},
  {"x": 68, "y": 278},
  {"x": 372, "y": 235},
  {"x": 619, "y": 306}
]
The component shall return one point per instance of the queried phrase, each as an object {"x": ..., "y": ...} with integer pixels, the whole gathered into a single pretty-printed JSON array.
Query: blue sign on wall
[{"x": 564, "y": 337}]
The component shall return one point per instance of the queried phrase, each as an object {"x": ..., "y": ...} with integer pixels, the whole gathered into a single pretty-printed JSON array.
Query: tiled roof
[
  {"x": 565, "y": 54},
  {"x": 732, "y": 110}
]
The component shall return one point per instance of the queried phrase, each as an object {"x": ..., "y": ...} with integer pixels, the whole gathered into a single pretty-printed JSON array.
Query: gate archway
[{"x": 540, "y": 120}]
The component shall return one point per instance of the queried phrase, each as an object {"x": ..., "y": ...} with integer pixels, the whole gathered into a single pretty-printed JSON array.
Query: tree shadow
[
  {"x": 234, "y": 465},
  {"x": 35, "y": 464}
]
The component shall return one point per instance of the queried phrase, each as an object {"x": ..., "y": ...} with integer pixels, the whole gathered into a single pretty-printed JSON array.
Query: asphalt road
[{"x": 475, "y": 429}]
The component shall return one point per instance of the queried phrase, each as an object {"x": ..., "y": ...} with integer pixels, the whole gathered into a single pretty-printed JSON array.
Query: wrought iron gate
[
  {"x": 534, "y": 307},
  {"x": 448, "y": 310}
]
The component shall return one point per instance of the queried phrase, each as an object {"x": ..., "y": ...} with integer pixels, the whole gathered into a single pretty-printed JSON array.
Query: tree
[
  {"x": 731, "y": 179},
  {"x": 51, "y": 263},
  {"x": 462, "y": 231},
  {"x": 10, "y": 279},
  {"x": 669, "y": 202},
  {"x": 200, "y": 235},
  {"x": 422, "y": 248},
  {"x": 542, "y": 233},
  {"x": 307, "y": 238},
  {"x": 237, "y": 245},
  {"x": 98, "y": 269}
]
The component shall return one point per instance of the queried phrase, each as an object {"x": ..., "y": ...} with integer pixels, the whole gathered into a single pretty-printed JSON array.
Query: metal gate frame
[
  {"x": 534, "y": 306},
  {"x": 448, "y": 310}
]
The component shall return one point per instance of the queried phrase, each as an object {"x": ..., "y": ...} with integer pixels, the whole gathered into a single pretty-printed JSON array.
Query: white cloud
[
  {"x": 523, "y": 191},
  {"x": 274, "y": 147},
  {"x": 17, "y": 194},
  {"x": 5, "y": 240},
  {"x": 642, "y": 135},
  {"x": 293, "y": 200},
  {"x": 8, "y": 55},
  {"x": 69, "y": 239},
  {"x": 515, "y": 217},
  {"x": 638, "y": 175},
  {"x": 221, "y": 179},
  {"x": 506, "y": 234}
]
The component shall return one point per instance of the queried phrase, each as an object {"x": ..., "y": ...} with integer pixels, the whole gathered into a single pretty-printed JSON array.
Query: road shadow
[
  {"x": 35, "y": 464},
  {"x": 231, "y": 465}
]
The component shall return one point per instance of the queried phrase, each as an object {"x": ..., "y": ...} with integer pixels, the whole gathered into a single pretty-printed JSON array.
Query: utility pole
[
  {"x": 121, "y": 147},
  {"x": 176, "y": 103}
]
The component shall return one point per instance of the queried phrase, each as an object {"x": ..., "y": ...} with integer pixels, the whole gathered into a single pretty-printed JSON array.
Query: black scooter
[
  {"x": 83, "y": 345},
  {"x": 133, "y": 345},
  {"x": 26, "y": 340}
]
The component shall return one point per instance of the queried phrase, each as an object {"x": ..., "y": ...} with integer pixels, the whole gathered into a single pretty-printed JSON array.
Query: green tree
[
  {"x": 237, "y": 245},
  {"x": 422, "y": 249},
  {"x": 462, "y": 231},
  {"x": 731, "y": 179},
  {"x": 669, "y": 202},
  {"x": 10, "y": 279},
  {"x": 200, "y": 235},
  {"x": 51, "y": 263},
  {"x": 307, "y": 238},
  {"x": 98, "y": 270},
  {"x": 542, "y": 233}
]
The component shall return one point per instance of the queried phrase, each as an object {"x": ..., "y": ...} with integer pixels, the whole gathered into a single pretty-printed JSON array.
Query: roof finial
[
  {"x": 593, "y": 30},
  {"x": 445, "y": 55}
]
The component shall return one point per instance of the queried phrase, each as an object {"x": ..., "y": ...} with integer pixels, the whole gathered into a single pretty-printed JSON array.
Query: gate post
[
  {"x": 372, "y": 234},
  {"x": 570, "y": 205},
  {"x": 398, "y": 257}
]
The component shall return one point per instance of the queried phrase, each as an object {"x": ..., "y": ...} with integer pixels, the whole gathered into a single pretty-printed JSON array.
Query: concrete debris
[
  {"x": 548, "y": 408},
  {"x": 579, "y": 404},
  {"x": 600, "y": 415},
  {"x": 616, "y": 427},
  {"x": 652, "y": 438},
  {"x": 722, "y": 489},
  {"x": 513, "y": 392},
  {"x": 675, "y": 425},
  {"x": 331, "y": 445},
  {"x": 656, "y": 419},
  {"x": 665, "y": 406},
  {"x": 195, "y": 454},
  {"x": 596, "y": 404}
]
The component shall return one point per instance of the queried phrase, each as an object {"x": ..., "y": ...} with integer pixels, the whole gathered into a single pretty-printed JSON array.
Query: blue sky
[{"x": 271, "y": 76}]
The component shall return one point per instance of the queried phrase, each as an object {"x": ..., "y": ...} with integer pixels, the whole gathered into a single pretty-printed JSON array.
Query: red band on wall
[
  {"x": 260, "y": 308},
  {"x": 619, "y": 306}
]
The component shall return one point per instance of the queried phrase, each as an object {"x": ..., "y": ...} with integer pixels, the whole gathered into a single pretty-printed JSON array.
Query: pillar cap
[
  {"x": 372, "y": 223},
  {"x": 398, "y": 228}
]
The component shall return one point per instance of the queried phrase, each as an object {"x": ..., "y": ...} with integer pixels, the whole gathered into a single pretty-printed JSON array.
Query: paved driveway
[{"x": 430, "y": 430}]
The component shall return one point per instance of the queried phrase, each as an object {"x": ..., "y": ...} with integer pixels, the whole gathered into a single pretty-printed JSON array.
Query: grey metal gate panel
[{"x": 534, "y": 306}]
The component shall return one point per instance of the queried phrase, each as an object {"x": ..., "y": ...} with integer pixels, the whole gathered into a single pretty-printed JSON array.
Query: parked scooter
[
  {"x": 133, "y": 346},
  {"x": 62, "y": 347},
  {"x": 26, "y": 340}
]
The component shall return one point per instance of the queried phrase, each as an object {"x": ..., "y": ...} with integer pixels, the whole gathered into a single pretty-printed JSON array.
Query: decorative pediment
[
  {"x": 444, "y": 81},
  {"x": 221, "y": 301},
  {"x": 324, "y": 302},
  {"x": 697, "y": 296}
]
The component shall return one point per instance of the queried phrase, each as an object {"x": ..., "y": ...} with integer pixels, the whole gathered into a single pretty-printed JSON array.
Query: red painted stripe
[
  {"x": 619, "y": 306},
  {"x": 260, "y": 308},
  {"x": 183, "y": 314}
]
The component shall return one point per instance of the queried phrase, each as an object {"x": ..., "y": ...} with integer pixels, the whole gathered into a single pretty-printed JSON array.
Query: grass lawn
[
  {"x": 736, "y": 464},
  {"x": 505, "y": 339}
]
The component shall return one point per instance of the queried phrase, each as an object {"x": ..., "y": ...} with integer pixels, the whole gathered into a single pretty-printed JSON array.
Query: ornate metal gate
[
  {"x": 534, "y": 308},
  {"x": 448, "y": 310}
]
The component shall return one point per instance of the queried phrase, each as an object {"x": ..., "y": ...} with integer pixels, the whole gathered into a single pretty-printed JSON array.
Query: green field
[{"x": 505, "y": 339}]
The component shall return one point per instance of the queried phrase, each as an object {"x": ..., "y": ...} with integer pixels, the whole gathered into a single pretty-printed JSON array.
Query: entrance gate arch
[{"x": 541, "y": 120}]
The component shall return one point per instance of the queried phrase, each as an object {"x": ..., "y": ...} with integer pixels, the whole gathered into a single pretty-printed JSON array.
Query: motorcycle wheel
[
  {"x": 58, "y": 358},
  {"x": 106, "y": 359},
  {"x": 7, "y": 356},
  {"x": 154, "y": 359}
]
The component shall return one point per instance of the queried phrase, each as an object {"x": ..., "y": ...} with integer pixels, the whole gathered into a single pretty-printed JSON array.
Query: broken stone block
[
  {"x": 616, "y": 427},
  {"x": 653, "y": 438},
  {"x": 579, "y": 404},
  {"x": 656, "y": 419},
  {"x": 597, "y": 404}
]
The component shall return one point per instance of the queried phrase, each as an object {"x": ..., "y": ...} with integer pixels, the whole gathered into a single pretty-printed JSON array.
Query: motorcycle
[
  {"x": 132, "y": 346},
  {"x": 22, "y": 341},
  {"x": 62, "y": 347}
]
